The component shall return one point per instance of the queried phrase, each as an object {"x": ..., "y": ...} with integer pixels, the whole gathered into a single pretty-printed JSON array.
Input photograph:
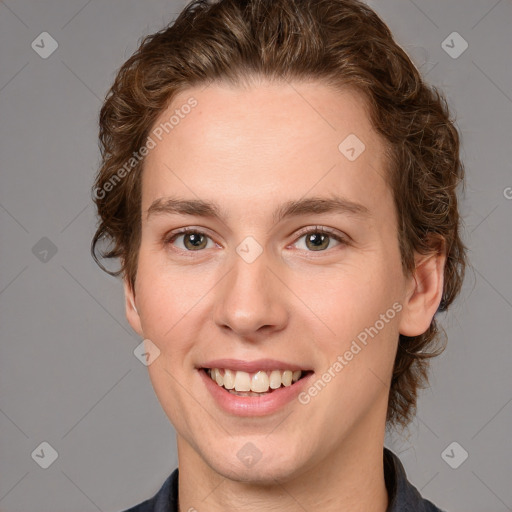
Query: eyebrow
[{"x": 305, "y": 206}]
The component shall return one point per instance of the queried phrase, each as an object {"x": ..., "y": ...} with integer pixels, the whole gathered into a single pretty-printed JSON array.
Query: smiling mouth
[{"x": 254, "y": 384}]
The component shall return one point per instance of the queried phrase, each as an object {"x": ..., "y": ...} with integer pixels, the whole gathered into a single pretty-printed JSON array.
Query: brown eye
[
  {"x": 194, "y": 241},
  {"x": 191, "y": 240},
  {"x": 319, "y": 239}
]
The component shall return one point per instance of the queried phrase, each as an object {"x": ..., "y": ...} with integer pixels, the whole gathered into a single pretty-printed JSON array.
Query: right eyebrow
[{"x": 197, "y": 207}]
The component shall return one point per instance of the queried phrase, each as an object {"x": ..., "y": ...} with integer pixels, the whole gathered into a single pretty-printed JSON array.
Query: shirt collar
[{"x": 403, "y": 496}]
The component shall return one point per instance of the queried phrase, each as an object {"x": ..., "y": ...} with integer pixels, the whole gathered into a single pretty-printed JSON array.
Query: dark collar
[{"x": 403, "y": 496}]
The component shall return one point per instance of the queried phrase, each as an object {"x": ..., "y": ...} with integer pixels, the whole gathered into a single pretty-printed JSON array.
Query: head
[{"x": 252, "y": 106}]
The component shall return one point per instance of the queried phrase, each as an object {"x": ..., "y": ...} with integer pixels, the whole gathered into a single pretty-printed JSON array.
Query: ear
[
  {"x": 424, "y": 293},
  {"x": 132, "y": 315}
]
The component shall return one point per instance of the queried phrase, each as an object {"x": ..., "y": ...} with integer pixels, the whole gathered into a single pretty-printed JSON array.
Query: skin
[{"x": 250, "y": 149}]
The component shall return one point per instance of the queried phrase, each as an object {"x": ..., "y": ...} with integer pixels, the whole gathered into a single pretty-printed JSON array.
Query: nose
[{"x": 252, "y": 300}]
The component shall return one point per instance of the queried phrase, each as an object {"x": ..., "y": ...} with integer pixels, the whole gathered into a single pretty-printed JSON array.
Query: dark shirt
[{"x": 403, "y": 496}]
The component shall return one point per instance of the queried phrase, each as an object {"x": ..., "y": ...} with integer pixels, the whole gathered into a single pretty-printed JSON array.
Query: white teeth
[
  {"x": 287, "y": 377},
  {"x": 218, "y": 377},
  {"x": 229, "y": 379},
  {"x": 242, "y": 381},
  {"x": 260, "y": 382},
  {"x": 275, "y": 379}
]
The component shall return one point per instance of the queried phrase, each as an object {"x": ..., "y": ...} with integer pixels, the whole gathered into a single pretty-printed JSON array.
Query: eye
[
  {"x": 319, "y": 239},
  {"x": 316, "y": 240},
  {"x": 192, "y": 239}
]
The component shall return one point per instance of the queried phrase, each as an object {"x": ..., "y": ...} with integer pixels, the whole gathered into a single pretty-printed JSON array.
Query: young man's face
[{"x": 254, "y": 286}]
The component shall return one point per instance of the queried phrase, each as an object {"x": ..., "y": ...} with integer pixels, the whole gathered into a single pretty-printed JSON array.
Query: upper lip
[{"x": 252, "y": 366}]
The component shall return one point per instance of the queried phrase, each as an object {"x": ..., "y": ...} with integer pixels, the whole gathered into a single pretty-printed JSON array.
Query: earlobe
[
  {"x": 424, "y": 294},
  {"x": 132, "y": 314}
]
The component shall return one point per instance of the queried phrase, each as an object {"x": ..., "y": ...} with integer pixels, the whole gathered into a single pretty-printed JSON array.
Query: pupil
[
  {"x": 195, "y": 239},
  {"x": 317, "y": 239}
]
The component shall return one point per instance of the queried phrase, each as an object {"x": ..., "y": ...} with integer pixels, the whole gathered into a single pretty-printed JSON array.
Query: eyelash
[{"x": 170, "y": 238}]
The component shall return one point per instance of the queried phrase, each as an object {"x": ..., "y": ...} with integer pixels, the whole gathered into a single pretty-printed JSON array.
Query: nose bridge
[{"x": 251, "y": 297}]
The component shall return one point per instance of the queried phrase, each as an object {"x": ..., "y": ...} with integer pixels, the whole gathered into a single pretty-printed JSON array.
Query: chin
[
  {"x": 265, "y": 475},
  {"x": 268, "y": 470}
]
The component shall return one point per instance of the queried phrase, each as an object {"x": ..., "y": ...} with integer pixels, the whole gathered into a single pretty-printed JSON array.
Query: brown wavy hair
[{"x": 342, "y": 43}]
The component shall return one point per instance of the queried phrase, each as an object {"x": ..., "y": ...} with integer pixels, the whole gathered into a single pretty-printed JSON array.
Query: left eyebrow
[
  {"x": 305, "y": 206},
  {"x": 318, "y": 205}
]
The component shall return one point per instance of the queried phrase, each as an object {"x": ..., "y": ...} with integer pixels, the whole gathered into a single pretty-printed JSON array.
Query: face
[{"x": 291, "y": 263}]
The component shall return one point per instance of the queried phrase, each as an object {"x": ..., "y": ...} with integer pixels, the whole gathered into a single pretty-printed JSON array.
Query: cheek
[
  {"x": 351, "y": 298},
  {"x": 166, "y": 294},
  {"x": 362, "y": 312}
]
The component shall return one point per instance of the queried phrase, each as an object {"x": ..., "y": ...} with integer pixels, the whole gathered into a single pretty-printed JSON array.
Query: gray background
[{"x": 68, "y": 374}]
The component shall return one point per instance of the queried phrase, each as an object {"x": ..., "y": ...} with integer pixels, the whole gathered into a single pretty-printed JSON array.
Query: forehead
[{"x": 239, "y": 142}]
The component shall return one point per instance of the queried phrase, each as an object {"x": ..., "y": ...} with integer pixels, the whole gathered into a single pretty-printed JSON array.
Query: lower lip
[{"x": 253, "y": 405}]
